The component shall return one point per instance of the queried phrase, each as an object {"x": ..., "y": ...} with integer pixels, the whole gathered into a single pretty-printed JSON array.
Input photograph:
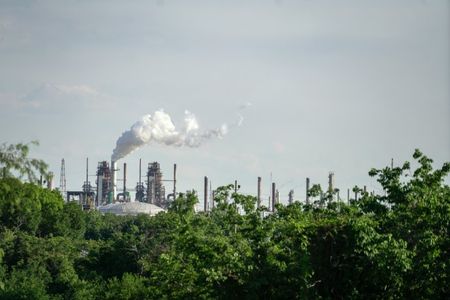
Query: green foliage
[
  {"x": 20, "y": 205},
  {"x": 420, "y": 215},
  {"x": 129, "y": 287},
  {"x": 31, "y": 208},
  {"x": 184, "y": 204},
  {"x": 389, "y": 246},
  {"x": 315, "y": 190},
  {"x": 14, "y": 160}
]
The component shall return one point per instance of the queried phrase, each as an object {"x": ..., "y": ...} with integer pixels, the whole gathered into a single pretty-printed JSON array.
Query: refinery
[
  {"x": 107, "y": 195},
  {"x": 149, "y": 194}
]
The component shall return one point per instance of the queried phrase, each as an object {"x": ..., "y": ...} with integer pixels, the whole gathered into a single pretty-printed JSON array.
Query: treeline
[{"x": 390, "y": 246}]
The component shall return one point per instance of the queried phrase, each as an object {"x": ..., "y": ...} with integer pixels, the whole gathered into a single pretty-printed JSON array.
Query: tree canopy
[
  {"x": 389, "y": 246},
  {"x": 14, "y": 162}
]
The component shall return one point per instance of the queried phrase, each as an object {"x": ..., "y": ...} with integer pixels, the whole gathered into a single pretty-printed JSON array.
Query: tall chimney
[
  {"x": 291, "y": 196},
  {"x": 273, "y": 196},
  {"x": 235, "y": 186},
  {"x": 258, "y": 203},
  {"x": 331, "y": 182},
  {"x": 307, "y": 190},
  {"x": 124, "y": 181},
  {"x": 113, "y": 181},
  {"x": 206, "y": 194},
  {"x": 174, "y": 181}
]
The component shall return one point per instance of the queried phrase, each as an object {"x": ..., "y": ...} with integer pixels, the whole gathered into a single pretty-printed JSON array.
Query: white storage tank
[{"x": 131, "y": 208}]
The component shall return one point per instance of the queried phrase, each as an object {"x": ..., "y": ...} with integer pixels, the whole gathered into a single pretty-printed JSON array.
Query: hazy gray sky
[{"x": 337, "y": 86}]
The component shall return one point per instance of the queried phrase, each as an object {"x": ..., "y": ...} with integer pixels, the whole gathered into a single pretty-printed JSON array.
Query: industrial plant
[
  {"x": 106, "y": 195},
  {"x": 150, "y": 196}
]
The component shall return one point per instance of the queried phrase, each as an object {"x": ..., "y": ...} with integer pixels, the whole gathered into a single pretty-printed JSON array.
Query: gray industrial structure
[
  {"x": 156, "y": 193},
  {"x": 105, "y": 191},
  {"x": 150, "y": 190},
  {"x": 103, "y": 183}
]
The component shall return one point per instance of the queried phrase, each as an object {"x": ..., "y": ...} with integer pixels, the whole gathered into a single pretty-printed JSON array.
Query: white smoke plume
[{"x": 159, "y": 128}]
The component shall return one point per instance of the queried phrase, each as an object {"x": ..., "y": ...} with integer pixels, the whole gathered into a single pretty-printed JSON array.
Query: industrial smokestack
[
  {"x": 87, "y": 170},
  {"x": 206, "y": 194},
  {"x": 291, "y": 196},
  {"x": 174, "y": 181},
  {"x": 113, "y": 181},
  {"x": 273, "y": 196},
  {"x": 258, "y": 198},
  {"x": 124, "y": 181},
  {"x": 331, "y": 182},
  {"x": 307, "y": 190}
]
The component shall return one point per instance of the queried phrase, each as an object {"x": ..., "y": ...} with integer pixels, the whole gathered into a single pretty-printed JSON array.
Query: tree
[
  {"x": 394, "y": 245},
  {"x": 14, "y": 160},
  {"x": 20, "y": 206},
  {"x": 420, "y": 215}
]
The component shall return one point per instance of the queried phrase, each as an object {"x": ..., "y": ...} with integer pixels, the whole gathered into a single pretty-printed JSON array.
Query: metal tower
[
  {"x": 62, "y": 180},
  {"x": 155, "y": 190}
]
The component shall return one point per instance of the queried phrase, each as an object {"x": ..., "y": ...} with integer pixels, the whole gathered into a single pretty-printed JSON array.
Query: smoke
[
  {"x": 159, "y": 128},
  {"x": 241, "y": 117}
]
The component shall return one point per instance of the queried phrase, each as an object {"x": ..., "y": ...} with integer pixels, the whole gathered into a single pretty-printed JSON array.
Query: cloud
[{"x": 50, "y": 97}]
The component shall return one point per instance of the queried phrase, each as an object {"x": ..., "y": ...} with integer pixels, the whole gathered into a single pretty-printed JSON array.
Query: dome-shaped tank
[{"x": 131, "y": 208}]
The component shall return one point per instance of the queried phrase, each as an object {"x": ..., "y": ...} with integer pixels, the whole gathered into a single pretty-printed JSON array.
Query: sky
[{"x": 341, "y": 86}]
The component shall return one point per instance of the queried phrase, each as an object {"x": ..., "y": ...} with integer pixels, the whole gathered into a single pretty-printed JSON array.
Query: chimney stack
[
  {"x": 273, "y": 196},
  {"x": 206, "y": 194},
  {"x": 124, "y": 181},
  {"x": 113, "y": 181},
  {"x": 258, "y": 198},
  {"x": 174, "y": 181},
  {"x": 331, "y": 182},
  {"x": 307, "y": 190}
]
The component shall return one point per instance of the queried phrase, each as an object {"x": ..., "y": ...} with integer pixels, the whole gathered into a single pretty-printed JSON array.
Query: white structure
[{"x": 131, "y": 208}]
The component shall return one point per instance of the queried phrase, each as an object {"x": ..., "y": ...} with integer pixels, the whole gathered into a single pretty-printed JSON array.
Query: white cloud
[{"x": 63, "y": 97}]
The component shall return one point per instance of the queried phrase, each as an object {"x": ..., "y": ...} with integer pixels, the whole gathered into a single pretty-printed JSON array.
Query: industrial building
[
  {"x": 150, "y": 193},
  {"x": 105, "y": 198}
]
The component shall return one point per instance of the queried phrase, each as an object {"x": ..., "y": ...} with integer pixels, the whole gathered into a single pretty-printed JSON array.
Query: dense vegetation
[{"x": 389, "y": 246}]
